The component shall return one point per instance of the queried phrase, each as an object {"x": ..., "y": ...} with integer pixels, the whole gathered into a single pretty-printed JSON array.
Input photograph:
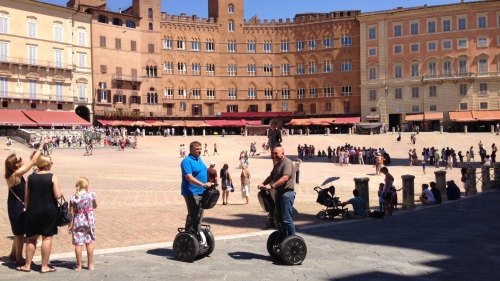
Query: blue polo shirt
[{"x": 192, "y": 166}]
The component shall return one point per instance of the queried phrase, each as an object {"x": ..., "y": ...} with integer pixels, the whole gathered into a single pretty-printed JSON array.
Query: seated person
[
  {"x": 436, "y": 193},
  {"x": 427, "y": 198},
  {"x": 452, "y": 190},
  {"x": 358, "y": 204}
]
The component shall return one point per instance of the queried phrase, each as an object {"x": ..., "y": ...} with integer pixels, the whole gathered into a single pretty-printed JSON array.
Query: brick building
[{"x": 431, "y": 64}]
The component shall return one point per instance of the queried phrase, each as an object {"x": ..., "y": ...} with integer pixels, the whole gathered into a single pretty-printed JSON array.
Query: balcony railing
[
  {"x": 445, "y": 76},
  {"x": 35, "y": 62},
  {"x": 42, "y": 97},
  {"x": 130, "y": 78}
]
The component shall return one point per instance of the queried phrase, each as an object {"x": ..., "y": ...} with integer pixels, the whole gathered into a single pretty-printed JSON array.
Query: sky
[{"x": 278, "y": 9}]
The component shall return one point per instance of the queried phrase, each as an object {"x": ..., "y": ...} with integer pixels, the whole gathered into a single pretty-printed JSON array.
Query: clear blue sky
[{"x": 278, "y": 9}]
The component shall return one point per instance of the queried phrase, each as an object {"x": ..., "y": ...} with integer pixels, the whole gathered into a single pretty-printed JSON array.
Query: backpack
[{"x": 209, "y": 198}]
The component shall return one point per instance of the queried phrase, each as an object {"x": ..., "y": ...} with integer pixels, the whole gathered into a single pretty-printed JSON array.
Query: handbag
[
  {"x": 232, "y": 187},
  {"x": 63, "y": 215}
]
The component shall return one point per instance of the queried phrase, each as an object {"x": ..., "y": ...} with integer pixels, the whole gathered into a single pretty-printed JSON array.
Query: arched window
[
  {"x": 130, "y": 24},
  {"x": 150, "y": 13},
  {"x": 102, "y": 19},
  {"x": 150, "y": 26},
  {"x": 231, "y": 26},
  {"x": 230, "y": 8},
  {"x": 117, "y": 21}
]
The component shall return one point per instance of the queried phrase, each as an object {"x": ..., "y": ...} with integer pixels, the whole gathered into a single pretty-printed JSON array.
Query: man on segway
[{"x": 194, "y": 183}]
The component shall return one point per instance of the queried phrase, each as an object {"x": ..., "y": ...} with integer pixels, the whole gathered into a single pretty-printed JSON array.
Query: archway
[{"x": 83, "y": 112}]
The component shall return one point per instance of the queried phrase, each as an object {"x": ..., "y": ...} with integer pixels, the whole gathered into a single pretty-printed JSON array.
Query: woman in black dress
[
  {"x": 42, "y": 193},
  {"x": 14, "y": 171}
]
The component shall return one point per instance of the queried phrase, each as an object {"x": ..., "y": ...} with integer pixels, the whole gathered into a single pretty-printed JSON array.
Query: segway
[
  {"x": 188, "y": 245},
  {"x": 292, "y": 249}
]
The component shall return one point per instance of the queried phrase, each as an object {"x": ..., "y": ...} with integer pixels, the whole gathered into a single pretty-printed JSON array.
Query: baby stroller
[{"x": 332, "y": 204}]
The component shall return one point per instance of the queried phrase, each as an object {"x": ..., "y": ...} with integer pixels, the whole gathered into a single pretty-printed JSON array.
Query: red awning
[
  {"x": 486, "y": 115},
  {"x": 253, "y": 122},
  {"x": 226, "y": 123},
  {"x": 15, "y": 118},
  {"x": 196, "y": 123},
  {"x": 174, "y": 123},
  {"x": 462, "y": 116},
  {"x": 431, "y": 116},
  {"x": 347, "y": 120},
  {"x": 56, "y": 118},
  {"x": 255, "y": 114},
  {"x": 299, "y": 122},
  {"x": 415, "y": 117}
]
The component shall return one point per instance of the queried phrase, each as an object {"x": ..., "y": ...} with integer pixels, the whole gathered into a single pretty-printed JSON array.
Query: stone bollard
[
  {"x": 472, "y": 179},
  {"x": 371, "y": 132},
  {"x": 185, "y": 132},
  {"x": 466, "y": 129},
  {"x": 361, "y": 184},
  {"x": 485, "y": 178},
  {"x": 441, "y": 129},
  {"x": 143, "y": 132},
  {"x": 204, "y": 132},
  {"x": 393, "y": 130},
  {"x": 492, "y": 129},
  {"x": 408, "y": 192},
  {"x": 441, "y": 184},
  {"x": 246, "y": 132}
]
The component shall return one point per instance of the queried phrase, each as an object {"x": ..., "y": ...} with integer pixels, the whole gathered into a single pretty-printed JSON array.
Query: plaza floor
[{"x": 138, "y": 190}]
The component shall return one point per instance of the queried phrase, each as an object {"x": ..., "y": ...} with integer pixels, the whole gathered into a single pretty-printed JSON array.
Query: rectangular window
[
  {"x": 169, "y": 93},
  {"x": 398, "y": 31},
  {"x": 462, "y": 43},
  {"x": 328, "y": 106},
  {"x": 373, "y": 94},
  {"x": 482, "y": 22},
  {"x": 415, "y": 108},
  {"x": 447, "y": 70},
  {"x": 398, "y": 49},
  {"x": 82, "y": 92},
  {"x": 118, "y": 43},
  {"x": 252, "y": 93},
  {"x": 300, "y": 69},
  {"x": 463, "y": 89},
  {"x": 211, "y": 94},
  {"x": 415, "y": 92},
  {"x": 313, "y": 68},
  {"x": 151, "y": 48},
  {"x": 4, "y": 24},
  {"x": 285, "y": 93},
  {"x": 346, "y": 66},
  {"x": 398, "y": 93},
  {"x": 432, "y": 46},
  {"x": 327, "y": 67},
  {"x": 431, "y": 27},
  {"x": 181, "y": 44},
  {"x": 483, "y": 65},
  {"x": 4, "y": 87},
  {"x": 346, "y": 91},
  {"x": 446, "y": 25},
  {"x": 432, "y": 91},
  {"x": 102, "y": 41},
  {"x": 82, "y": 60},
  {"x": 372, "y": 33},
  {"x": 58, "y": 32},
  {"x": 482, "y": 42},
  {"x": 268, "y": 47},
  {"x": 182, "y": 106},
  {"x": 268, "y": 69},
  {"x": 328, "y": 91},
  {"x": 398, "y": 71},
  {"x": 231, "y": 47},
  {"x": 285, "y": 69},
  {"x": 483, "y": 105},
  {"x": 313, "y": 93},
  {"x": 195, "y": 45},
  {"x": 328, "y": 43},
  {"x": 301, "y": 93},
  {"x": 169, "y": 67},
  {"x": 82, "y": 38},
  {"x": 346, "y": 41},
  {"x": 231, "y": 26},
  {"x": 432, "y": 69},
  {"x": 167, "y": 44},
  {"x": 372, "y": 73},
  {"x": 432, "y": 107},
  {"x": 181, "y": 68},
  {"x": 313, "y": 44},
  {"x": 104, "y": 68},
  {"x": 268, "y": 94},
  {"x": 251, "y": 69},
  {"x": 415, "y": 69},
  {"x": 415, "y": 47},
  {"x": 462, "y": 24},
  {"x": 372, "y": 51},
  {"x": 133, "y": 46},
  {"x": 285, "y": 46},
  {"x": 299, "y": 46},
  {"x": 232, "y": 94},
  {"x": 32, "y": 29},
  {"x": 447, "y": 44},
  {"x": 483, "y": 88},
  {"x": 210, "y": 46},
  {"x": 463, "y": 66},
  {"x": 285, "y": 106},
  {"x": 414, "y": 28},
  {"x": 32, "y": 52},
  {"x": 251, "y": 47},
  {"x": 32, "y": 89},
  {"x": 463, "y": 106},
  {"x": 58, "y": 58},
  {"x": 210, "y": 69},
  {"x": 196, "y": 68}
]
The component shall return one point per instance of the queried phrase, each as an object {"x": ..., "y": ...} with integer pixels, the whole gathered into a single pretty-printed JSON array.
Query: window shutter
[
  {"x": 236, "y": 108},
  {"x": 118, "y": 71},
  {"x": 118, "y": 43},
  {"x": 103, "y": 41},
  {"x": 139, "y": 100},
  {"x": 98, "y": 95},
  {"x": 192, "y": 110},
  {"x": 124, "y": 99},
  {"x": 108, "y": 95},
  {"x": 151, "y": 48},
  {"x": 201, "y": 112},
  {"x": 104, "y": 68},
  {"x": 227, "y": 108},
  {"x": 134, "y": 72},
  {"x": 133, "y": 46},
  {"x": 115, "y": 98}
]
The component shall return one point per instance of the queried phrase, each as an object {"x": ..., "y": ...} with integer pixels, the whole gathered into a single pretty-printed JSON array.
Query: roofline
[
  {"x": 41, "y": 3},
  {"x": 111, "y": 12}
]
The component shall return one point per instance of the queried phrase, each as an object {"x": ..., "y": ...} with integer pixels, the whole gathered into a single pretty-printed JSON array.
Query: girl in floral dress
[{"x": 82, "y": 206}]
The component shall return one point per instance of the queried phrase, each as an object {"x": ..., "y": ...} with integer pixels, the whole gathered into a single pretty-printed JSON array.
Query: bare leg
[
  {"x": 30, "y": 252},
  {"x": 12, "y": 255},
  {"x": 90, "y": 256},
  {"x": 78, "y": 254},
  {"x": 46, "y": 248},
  {"x": 18, "y": 245}
]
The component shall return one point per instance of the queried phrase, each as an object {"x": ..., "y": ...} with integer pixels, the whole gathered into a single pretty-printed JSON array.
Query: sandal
[
  {"x": 52, "y": 269},
  {"x": 20, "y": 268}
]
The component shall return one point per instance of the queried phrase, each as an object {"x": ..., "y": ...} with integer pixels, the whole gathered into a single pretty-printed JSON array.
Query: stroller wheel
[{"x": 321, "y": 215}]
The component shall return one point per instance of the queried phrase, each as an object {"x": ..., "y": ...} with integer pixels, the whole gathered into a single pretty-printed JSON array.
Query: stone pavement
[{"x": 453, "y": 241}]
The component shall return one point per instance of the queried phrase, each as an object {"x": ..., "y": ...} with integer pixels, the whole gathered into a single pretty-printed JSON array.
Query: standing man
[
  {"x": 282, "y": 179},
  {"x": 212, "y": 173},
  {"x": 274, "y": 135},
  {"x": 194, "y": 183}
]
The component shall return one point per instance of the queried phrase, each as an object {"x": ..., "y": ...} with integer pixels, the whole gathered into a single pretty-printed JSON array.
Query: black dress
[
  {"x": 16, "y": 208},
  {"x": 41, "y": 214}
]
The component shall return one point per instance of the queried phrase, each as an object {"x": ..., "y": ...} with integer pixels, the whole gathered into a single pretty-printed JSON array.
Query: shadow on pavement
[
  {"x": 162, "y": 252},
  {"x": 249, "y": 256},
  {"x": 257, "y": 221}
]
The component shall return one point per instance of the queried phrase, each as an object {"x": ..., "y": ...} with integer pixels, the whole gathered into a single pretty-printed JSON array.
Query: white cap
[{"x": 212, "y": 163}]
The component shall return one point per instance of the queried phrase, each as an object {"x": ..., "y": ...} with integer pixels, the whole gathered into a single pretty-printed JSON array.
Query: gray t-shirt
[{"x": 284, "y": 168}]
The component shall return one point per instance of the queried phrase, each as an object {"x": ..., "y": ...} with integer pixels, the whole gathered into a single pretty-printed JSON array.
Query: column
[
  {"x": 393, "y": 130},
  {"x": 472, "y": 179},
  {"x": 492, "y": 129},
  {"x": 441, "y": 129},
  {"x": 143, "y": 132},
  {"x": 184, "y": 131},
  {"x": 361, "y": 184},
  {"x": 466, "y": 129},
  {"x": 246, "y": 132},
  {"x": 408, "y": 191},
  {"x": 441, "y": 184},
  {"x": 485, "y": 178},
  {"x": 204, "y": 131}
]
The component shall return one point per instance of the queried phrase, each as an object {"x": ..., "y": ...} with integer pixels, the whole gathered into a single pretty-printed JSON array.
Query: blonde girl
[{"x": 82, "y": 206}]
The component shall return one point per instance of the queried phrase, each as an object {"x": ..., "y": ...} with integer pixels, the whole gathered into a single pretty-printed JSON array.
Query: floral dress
[{"x": 83, "y": 219}]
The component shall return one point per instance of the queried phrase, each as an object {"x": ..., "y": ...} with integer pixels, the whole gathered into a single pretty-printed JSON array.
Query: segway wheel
[
  {"x": 321, "y": 215},
  {"x": 271, "y": 242},
  {"x": 210, "y": 241},
  {"x": 186, "y": 247},
  {"x": 293, "y": 250}
]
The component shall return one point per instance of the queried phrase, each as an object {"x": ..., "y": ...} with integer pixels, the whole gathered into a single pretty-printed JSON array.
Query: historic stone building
[
  {"x": 431, "y": 63},
  {"x": 45, "y": 58},
  {"x": 308, "y": 66}
]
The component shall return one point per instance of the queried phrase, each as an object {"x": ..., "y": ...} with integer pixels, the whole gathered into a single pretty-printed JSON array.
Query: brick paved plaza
[{"x": 138, "y": 190}]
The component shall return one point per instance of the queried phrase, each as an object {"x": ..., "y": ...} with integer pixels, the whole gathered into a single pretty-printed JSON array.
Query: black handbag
[
  {"x": 209, "y": 198},
  {"x": 63, "y": 215}
]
